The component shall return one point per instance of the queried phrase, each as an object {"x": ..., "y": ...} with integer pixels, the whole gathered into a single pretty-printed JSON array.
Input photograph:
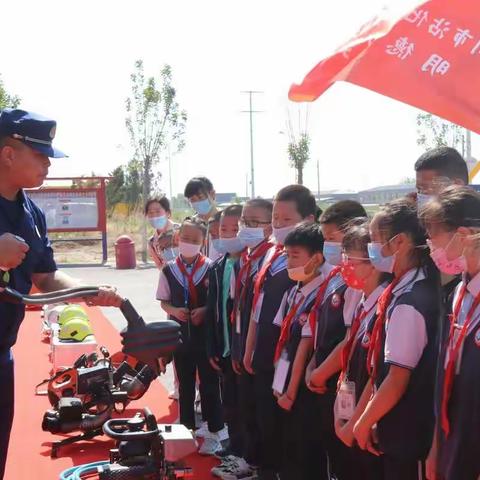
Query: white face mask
[
  {"x": 280, "y": 234},
  {"x": 188, "y": 249},
  {"x": 422, "y": 200},
  {"x": 251, "y": 237}
]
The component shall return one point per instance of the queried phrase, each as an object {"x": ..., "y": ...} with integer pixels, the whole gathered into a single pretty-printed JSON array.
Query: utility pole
[
  {"x": 250, "y": 111},
  {"x": 469, "y": 145}
]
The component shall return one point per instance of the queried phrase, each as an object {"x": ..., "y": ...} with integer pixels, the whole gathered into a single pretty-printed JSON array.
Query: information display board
[{"x": 69, "y": 210}]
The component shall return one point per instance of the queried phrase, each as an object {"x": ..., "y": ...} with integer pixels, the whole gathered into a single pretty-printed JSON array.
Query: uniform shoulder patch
[
  {"x": 336, "y": 300},
  {"x": 302, "y": 319}
]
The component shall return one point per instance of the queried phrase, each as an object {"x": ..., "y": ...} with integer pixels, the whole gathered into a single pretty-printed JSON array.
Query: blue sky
[{"x": 72, "y": 61}]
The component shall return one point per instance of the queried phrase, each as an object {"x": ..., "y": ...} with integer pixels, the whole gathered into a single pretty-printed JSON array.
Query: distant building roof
[
  {"x": 407, "y": 187},
  {"x": 225, "y": 197}
]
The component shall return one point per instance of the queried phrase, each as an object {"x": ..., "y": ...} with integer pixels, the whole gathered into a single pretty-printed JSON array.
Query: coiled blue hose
[{"x": 75, "y": 473}]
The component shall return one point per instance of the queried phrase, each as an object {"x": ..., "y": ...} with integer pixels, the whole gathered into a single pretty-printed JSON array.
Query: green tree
[
  {"x": 7, "y": 100},
  {"x": 435, "y": 132},
  {"x": 133, "y": 184},
  {"x": 154, "y": 122},
  {"x": 115, "y": 189},
  {"x": 298, "y": 142}
]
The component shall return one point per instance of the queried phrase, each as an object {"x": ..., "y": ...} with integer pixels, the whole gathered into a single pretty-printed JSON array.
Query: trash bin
[{"x": 125, "y": 253}]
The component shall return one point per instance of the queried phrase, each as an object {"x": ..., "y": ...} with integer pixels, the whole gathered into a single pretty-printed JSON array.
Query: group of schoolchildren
[{"x": 333, "y": 345}]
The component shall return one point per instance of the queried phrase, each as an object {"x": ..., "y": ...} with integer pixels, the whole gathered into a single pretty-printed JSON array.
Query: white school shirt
[
  {"x": 306, "y": 290},
  {"x": 406, "y": 330},
  {"x": 352, "y": 300}
]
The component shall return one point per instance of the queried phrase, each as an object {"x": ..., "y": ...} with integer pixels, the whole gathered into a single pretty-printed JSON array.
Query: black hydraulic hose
[{"x": 51, "y": 297}]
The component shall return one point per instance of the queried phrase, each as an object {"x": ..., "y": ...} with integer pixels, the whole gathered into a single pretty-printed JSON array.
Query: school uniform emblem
[
  {"x": 366, "y": 340},
  {"x": 336, "y": 300},
  {"x": 477, "y": 338},
  {"x": 302, "y": 319}
]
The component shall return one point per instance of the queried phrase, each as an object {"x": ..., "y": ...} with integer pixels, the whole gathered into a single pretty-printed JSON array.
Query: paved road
[{"x": 138, "y": 285}]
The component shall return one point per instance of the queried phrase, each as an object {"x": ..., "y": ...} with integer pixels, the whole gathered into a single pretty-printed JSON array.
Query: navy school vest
[
  {"x": 330, "y": 327},
  {"x": 277, "y": 282},
  {"x": 459, "y": 452},
  {"x": 357, "y": 368},
  {"x": 193, "y": 337},
  {"x": 406, "y": 431}
]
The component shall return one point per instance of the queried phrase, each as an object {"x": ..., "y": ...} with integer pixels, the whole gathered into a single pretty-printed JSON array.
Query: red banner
[{"x": 428, "y": 57}]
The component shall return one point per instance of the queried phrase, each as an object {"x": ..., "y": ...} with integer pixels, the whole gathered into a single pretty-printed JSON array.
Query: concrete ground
[{"x": 139, "y": 286}]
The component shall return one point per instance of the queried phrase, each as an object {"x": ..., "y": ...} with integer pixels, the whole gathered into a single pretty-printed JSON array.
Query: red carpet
[{"x": 29, "y": 453}]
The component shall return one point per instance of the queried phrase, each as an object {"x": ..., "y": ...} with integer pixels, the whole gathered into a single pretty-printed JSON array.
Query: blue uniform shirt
[{"x": 23, "y": 218}]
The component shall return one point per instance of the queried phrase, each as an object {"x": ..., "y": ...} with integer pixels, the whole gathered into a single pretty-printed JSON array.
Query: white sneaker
[
  {"x": 223, "y": 434},
  {"x": 202, "y": 432},
  {"x": 235, "y": 469},
  {"x": 210, "y": 446}
]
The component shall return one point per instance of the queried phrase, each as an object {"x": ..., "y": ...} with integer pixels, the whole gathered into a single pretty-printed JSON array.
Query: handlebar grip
[{"x": 108, "y": 429}]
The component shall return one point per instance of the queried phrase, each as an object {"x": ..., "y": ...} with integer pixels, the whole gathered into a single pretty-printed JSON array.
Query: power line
[{"x": 250, "y": 111}]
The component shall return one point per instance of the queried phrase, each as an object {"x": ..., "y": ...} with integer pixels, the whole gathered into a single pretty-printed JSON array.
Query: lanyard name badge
[
  {"x": 282, "y": 365},
  {"x": 345, "y": 401},
  {"x": 185, "y": 304},
  {"x": 238, "y": 322},
  {"x": 281, "y": 371}
]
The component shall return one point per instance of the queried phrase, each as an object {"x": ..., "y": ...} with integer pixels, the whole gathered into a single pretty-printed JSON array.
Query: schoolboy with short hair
[
  {"x": 200, "y": 194},
  {"x": 307, "y": 267},
  {"x": 182, "y": 290},
  {"x": 255, "y": 231},
  {"x": 292, "y": 205},
  {"x": 219, "y": 331},
  {"x": 436, "y": 169}
]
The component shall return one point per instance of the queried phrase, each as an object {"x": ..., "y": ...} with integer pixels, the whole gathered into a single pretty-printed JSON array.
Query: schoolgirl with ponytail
[{"x": 398, "y": 420}]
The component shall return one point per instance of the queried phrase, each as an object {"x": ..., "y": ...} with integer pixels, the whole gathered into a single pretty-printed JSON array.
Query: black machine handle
[
  {"x": 110, "y": 428},
  {"x": 127, "y": 309},
  {"x": 44, "y": 298},
  {"x": 144, "y": 342}
]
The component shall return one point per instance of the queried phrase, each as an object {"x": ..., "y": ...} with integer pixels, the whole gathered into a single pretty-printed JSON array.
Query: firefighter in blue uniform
[{"x": 25, "y": 251}]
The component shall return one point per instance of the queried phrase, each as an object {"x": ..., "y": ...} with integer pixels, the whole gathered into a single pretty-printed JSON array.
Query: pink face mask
[{"x": 449, "y": 267}]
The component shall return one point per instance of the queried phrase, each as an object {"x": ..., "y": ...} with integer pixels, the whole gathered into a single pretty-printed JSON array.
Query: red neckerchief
[
  {"x": 242, "y": 281},
  {"x": 262, "y": 274},
  {"x": 192, "y": 291},
  {"x": 348, "y": 347},
  {"x": 376, "y": 338},
  {"x": 287, "y": 321},
  {"x": 453, "y": 349},
  {"x": 312, "y": 316}
]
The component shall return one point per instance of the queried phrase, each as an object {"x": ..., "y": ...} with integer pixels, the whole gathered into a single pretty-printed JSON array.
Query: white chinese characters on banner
[
  {"x": 461, "y": 37},
  {"x": 402, "y": 48},
  {"x": 417, "y": 17},
  {"x": 475, "y": 49},
  {"x": 439, "y": 27},
  {"x": 436, "y": 65}
]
